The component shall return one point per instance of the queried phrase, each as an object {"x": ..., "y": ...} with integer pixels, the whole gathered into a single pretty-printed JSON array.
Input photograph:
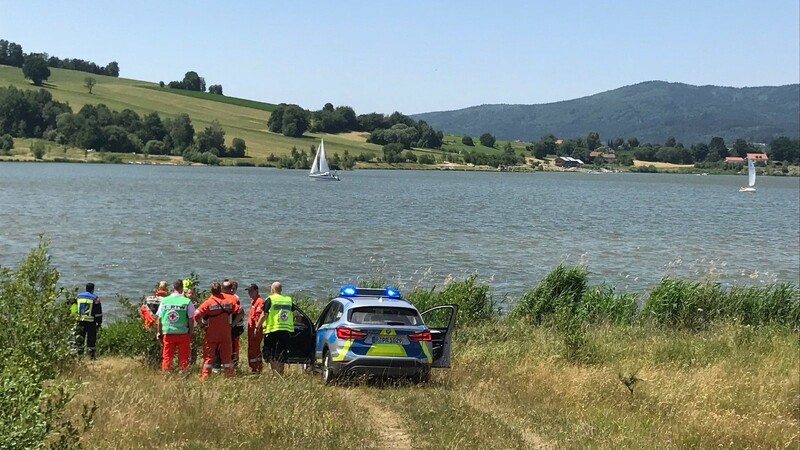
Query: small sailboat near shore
[
  {"x": 320, "y": 169},
  {"x": 751, "y": 177}
]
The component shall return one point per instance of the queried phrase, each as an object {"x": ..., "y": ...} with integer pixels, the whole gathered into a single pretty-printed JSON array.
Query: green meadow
[{"x": 246, "y": 119}]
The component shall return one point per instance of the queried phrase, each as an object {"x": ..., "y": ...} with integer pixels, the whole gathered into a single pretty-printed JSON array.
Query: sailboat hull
[
  {"x": 747, "y": 189},
  {"x": 324, "y": 177}
]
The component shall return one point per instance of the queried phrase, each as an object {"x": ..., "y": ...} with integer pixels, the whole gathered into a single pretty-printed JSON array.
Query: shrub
[
  {"x": 474, "y": 301},
  {"x": 38, "y": 149},
  {"x": 564, "y": 286},
  {"x": 35, "y": 346},
  {"x": 467, "y": 140},
  {"x": 683, "y": 304},
  {"x": 6, "y": 143},
  {"x": 426, "y": 159},
  {"x": 600, "y": 304}
]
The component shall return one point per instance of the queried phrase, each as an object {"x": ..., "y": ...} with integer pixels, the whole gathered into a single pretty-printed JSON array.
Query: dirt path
[
  {"x": 389, "y": 425},
  {"x": 479, "y": 398}
]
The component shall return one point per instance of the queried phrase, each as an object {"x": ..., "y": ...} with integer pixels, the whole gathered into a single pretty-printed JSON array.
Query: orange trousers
[
  {"x": 210, "y": 348},
  {"x": 254, "y": 341},
  {"x": 171, "y": 342}
]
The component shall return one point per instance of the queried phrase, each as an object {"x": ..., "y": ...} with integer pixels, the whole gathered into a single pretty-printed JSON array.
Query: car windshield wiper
[{"x": 391, "y": 322}]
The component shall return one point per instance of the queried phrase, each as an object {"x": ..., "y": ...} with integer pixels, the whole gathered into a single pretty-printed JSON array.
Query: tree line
[
  {"x": 194, "y": 82},
  {"x": 11, "y": 54},
  {"x": 292, "y": 120},
  {"x": 716, "y": 150},
  {"x": 35, "y": 114}
]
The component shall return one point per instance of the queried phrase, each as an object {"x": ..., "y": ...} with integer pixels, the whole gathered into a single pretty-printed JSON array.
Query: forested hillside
[{"x": 651, "y": 111}]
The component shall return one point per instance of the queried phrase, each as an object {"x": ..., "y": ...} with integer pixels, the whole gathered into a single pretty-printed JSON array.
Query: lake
[{"x": 124, "y": 227}]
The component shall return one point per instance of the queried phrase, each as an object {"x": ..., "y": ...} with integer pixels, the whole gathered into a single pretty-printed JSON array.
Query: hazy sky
[{"x": 420, "y": 56}]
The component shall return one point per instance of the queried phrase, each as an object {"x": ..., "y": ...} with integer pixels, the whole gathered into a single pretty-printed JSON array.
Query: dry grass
[{"x": 510, "y": 387}]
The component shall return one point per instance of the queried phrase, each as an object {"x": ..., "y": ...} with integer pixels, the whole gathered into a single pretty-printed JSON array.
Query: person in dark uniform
[{"x": 88, "y": 313}]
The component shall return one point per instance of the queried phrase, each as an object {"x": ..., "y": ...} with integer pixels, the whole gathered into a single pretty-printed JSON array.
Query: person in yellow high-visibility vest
[{"x": 277, "y": 325}]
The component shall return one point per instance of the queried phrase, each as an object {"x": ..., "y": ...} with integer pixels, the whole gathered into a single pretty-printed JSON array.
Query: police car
[{"x": 374, "y": 332}]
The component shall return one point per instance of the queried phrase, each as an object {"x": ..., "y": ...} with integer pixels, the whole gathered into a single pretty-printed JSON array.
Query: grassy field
[
  {"x": 246, "y": 119},
  {"x": 510, "y": 386}
]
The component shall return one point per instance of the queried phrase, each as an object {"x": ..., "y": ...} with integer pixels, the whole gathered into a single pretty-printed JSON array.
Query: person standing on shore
[
  {"x": 277, "y": 327},
  {"x": 150, "y": 305},
  {"x": 175, "y": 326},
  {"x": 217, "y": 312},
  {"x": 255, "y": 333},
  {"x": 88, "y": 313}
]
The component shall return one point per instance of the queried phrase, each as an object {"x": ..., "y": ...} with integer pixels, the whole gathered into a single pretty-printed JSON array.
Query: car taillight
[
  {"x": 421, "y": 336},
  {"x": 349, "y": 333}
]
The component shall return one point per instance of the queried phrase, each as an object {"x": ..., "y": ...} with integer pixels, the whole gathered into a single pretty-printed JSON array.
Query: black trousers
[{"x": 86, "y": 331}]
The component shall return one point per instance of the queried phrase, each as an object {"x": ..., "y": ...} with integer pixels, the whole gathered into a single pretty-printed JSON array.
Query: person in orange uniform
[
  {"x": 150, "y": 306},
  {"x": 217, "y": 314},
  {"x": 229, "y": 288},
  {"x": 175, "y": 325},
  {"x": 255, "y": 333}
]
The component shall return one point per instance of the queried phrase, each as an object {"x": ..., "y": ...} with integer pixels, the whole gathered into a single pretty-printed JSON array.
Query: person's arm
[
  {"x": 264, "y": 312},
  {"x": 158, "y": 321},
  {"x": 97, "y": 311},
  {"x": 190, "y": 312}
]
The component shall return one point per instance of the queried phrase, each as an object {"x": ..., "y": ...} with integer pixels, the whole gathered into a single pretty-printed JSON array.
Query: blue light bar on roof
[
  {"x": 348, "y": 291},
  {"x": 392, "y": 292}
]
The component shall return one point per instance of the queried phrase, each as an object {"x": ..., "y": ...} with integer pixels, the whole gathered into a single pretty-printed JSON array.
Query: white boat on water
[
  {"x": 320, "y": 169},
  {"x": 751, "y": 177}
]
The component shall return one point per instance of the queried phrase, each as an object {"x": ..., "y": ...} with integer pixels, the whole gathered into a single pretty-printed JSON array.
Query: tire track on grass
[{"x": 383, "y": 420}]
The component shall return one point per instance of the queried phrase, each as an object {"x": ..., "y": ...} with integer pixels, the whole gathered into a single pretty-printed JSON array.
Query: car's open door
[
  {"x": 441, "y": 320},
  {"x": 301, "y": 341}
]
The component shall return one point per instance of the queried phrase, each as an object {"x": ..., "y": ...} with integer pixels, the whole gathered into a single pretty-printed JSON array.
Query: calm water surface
[{"x": 125, "y": 227}]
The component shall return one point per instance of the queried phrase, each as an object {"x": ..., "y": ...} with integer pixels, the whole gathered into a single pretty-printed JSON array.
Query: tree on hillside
[
  {"x": 633, "y": 142},
  {"x": 487, "y": 139},
  {"x": 592, "y": 140},
  {"x": 717, "y": 149},
  {"x": 11, "y": 53},
  {"x": 289, "y": 120},
  {"x": 741, "y": 148},
  {"x": 215, "y": 89},
  {"x": 212, "y": 139},
  {"x": 89, "y": 83},
  {"x": 181, "y": 133},
  {"x": 467, "y": 140},
  {"x": 35, "y": 69},
  {"x": 112, "y": 69},
  {"x": 785, "y": 149}
]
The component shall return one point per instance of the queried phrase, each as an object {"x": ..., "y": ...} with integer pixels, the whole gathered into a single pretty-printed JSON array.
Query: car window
[
  {"x": 327, "y": 314},
  {"x": 382, "y": 315}
]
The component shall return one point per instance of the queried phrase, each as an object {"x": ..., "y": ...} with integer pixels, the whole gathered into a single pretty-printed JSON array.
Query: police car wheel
[{"x": 328, "y": 374}]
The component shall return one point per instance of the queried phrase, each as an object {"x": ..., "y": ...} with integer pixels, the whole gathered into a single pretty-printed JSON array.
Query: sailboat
[
  {"x": 751, "y": 177},
  {"x": 320, "y": 169}
]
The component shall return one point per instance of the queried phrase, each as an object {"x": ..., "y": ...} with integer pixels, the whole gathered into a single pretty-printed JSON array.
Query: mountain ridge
[{"x": 650, "y": 110}]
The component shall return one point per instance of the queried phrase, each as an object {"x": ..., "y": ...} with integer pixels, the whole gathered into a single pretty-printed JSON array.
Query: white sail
[
  {"x": 320, "y": 169},
  {"x": 751, "y": 173},
  {"x": 315, "y": 164},
  {"x": 323, "y": 161}
]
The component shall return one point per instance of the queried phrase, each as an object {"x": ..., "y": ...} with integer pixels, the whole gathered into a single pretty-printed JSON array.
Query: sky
[{"x": 421, "y": 56}]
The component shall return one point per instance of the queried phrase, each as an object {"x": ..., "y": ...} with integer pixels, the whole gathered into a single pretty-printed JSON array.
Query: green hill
[
  {"x": 241, "y": 118},
  {"x": 650, "y": 111}
]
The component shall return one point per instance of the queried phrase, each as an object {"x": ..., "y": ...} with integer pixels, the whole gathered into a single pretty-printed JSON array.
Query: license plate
[{"x": 387, "y": 340}]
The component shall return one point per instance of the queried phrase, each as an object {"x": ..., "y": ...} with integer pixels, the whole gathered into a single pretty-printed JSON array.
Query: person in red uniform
[
  {"x": 229, "y": 288},
  {"x": 217, "y": 314},
  {"x": 150, "y": 306},
  {"x": 255, "y": 332}
]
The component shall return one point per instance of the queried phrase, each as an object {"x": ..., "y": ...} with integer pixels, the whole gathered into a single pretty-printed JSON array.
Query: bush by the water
[
  {"x": 475, "y": 302},
  {"x": 561, "y": 288},
  {"x": 35, "y": 347},
  {"x": 684, "y": 304}
]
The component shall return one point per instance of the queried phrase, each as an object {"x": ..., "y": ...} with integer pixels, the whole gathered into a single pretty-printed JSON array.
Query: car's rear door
[{"x": 441, "y": 320}]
